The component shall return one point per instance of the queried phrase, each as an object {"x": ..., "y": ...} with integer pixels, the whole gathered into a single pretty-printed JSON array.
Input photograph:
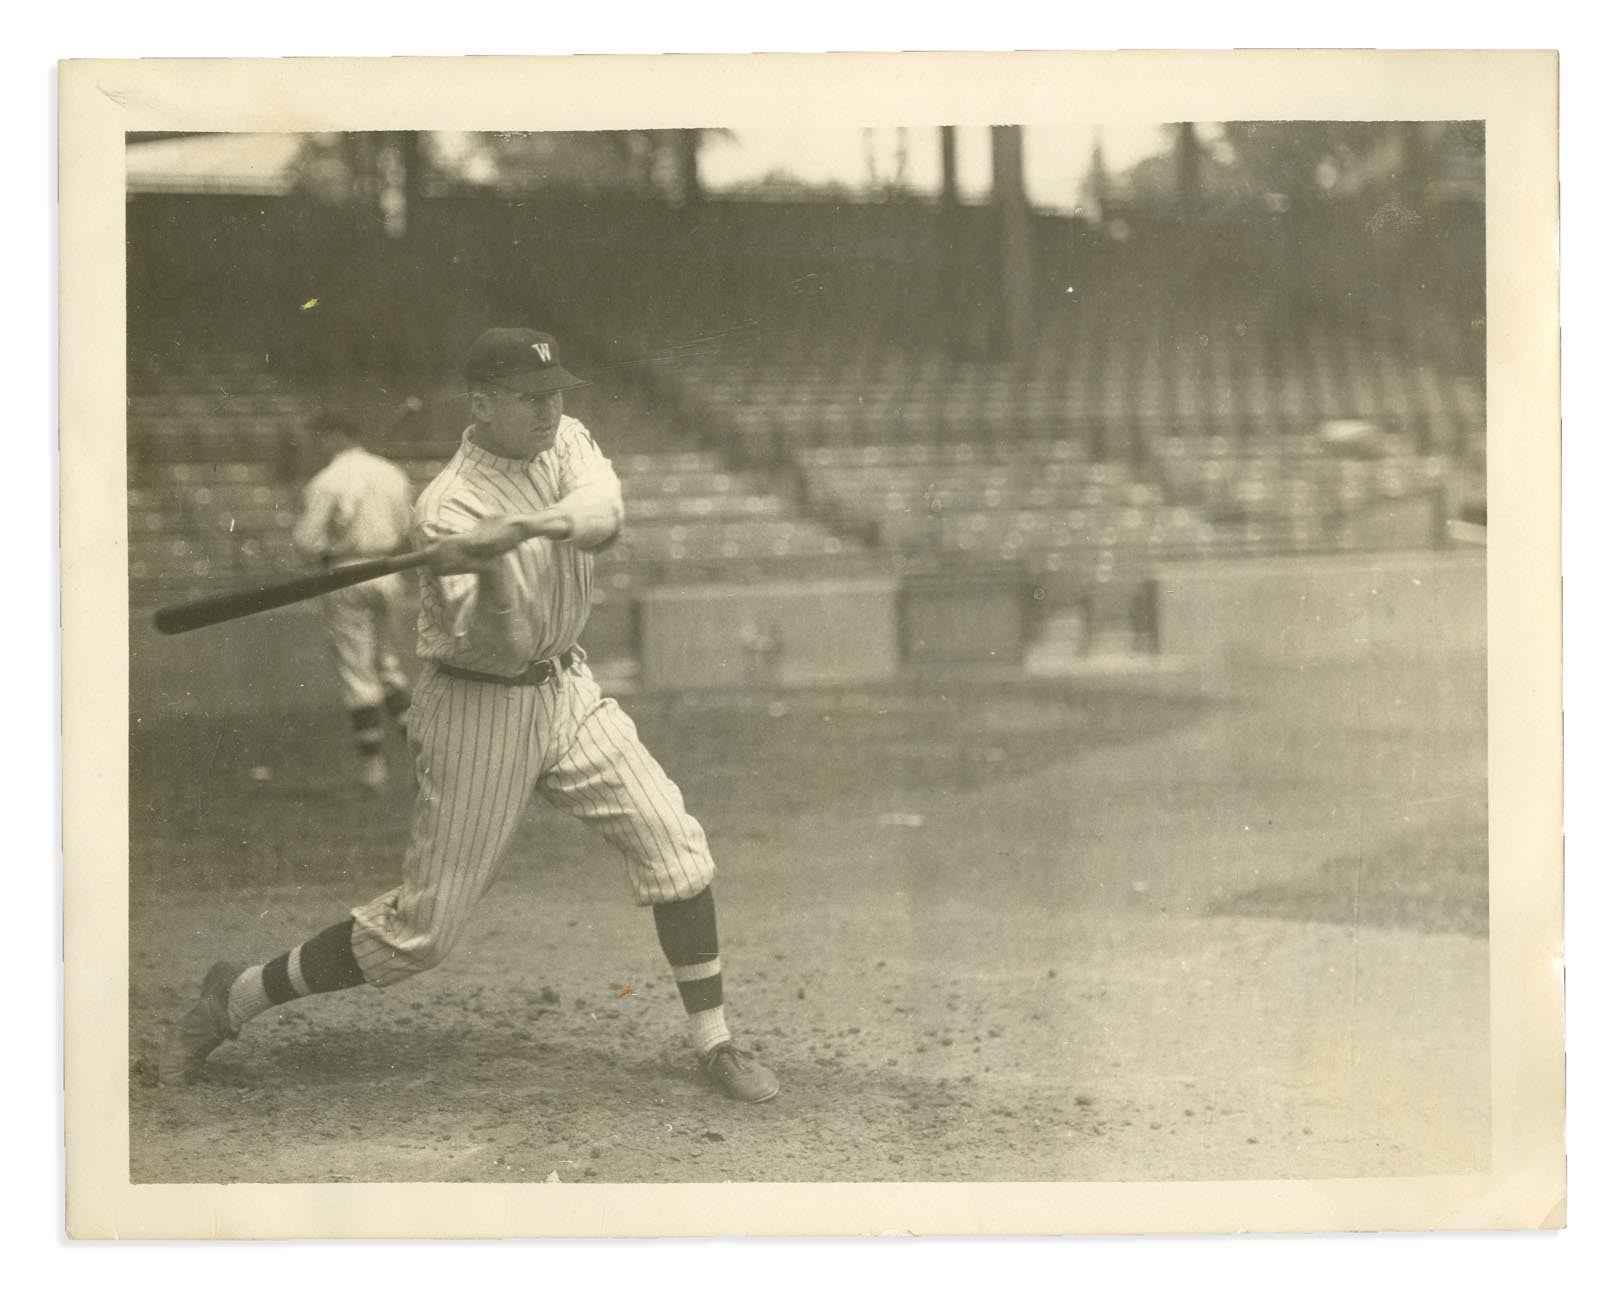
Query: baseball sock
[
  {"x": 324, "y": 963},
  {"x": 368, "y": 723},
  {"x": 398, "y": 704},
  {"x": 688, "y": 934}
]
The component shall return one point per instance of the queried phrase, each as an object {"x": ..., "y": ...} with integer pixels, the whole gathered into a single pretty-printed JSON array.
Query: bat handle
[{"x": 407, "y": 560}]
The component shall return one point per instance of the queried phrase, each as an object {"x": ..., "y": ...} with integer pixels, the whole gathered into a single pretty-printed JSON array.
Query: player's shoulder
[
  {"x": 574, "y": 442},
  {"x": 395, "y": 473},
  {"x": 573, "y": 433},
  {"x": 452, "y": 489},
  {"x": 363, "y": 463},
  {"x": 350, "y": 467},
  {"x": 330, "y": 476}
]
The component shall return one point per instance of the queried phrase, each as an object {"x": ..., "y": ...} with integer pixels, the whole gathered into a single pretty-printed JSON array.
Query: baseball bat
[{"x": 222, "y": 607}]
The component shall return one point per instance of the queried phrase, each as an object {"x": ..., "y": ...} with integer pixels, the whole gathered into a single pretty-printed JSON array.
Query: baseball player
[
  {"x": 505, "y": 707},
  {"x": 357, "y": 507}
]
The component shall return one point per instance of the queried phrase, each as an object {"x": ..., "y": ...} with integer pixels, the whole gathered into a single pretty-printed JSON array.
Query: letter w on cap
[{"x": 542, "y": 350}]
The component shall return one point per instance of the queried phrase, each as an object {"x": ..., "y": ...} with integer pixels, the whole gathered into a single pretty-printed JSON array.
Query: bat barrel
[{"x": 225, "y": 606}]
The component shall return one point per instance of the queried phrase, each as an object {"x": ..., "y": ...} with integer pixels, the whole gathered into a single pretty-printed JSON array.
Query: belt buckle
[
  {"x": 536, "y": 673},
  {"x": 540, "y": 671}
]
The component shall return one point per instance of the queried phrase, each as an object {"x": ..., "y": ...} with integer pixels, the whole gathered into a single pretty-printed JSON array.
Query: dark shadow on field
[
  {"x": 1398, "y": 751},
  {"x": 1435, "y": 880}
]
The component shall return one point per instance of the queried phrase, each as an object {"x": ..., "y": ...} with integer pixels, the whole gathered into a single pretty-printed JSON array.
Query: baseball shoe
[
  {"x": 738, "y": 1075},
  {"x": 373, "y": 774},
  {"x": 203, "y": 1027}
]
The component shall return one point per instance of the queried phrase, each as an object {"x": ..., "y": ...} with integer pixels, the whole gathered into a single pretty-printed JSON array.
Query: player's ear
[{"x": 482, "y": 406}]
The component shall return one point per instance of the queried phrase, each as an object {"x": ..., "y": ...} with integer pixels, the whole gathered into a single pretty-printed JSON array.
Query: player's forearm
[{"x": 587, "y": 517}]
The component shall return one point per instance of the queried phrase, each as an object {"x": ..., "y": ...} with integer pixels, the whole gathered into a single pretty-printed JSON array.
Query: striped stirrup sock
[
  {"x": 688, "y": 934},
  {"x": 324, "y": 963}
]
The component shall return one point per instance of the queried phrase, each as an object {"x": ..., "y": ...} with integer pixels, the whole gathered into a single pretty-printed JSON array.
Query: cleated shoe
[
  {"x": 738, "y": 1075},
  {"x": 203, "y": 1027}
]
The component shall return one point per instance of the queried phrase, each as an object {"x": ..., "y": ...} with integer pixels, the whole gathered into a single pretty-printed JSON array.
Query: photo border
[{"x": 1513, "y": 92}]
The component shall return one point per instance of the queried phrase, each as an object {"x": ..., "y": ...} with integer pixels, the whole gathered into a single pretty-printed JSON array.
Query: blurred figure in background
[{"x": 358, "y": 507}]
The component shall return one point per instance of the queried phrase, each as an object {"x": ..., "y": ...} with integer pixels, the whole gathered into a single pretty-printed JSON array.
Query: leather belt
[{"x": 535, "y": 674}]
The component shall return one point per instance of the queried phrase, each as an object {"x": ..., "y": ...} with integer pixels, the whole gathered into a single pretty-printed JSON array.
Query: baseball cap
[{"x": 520, "y": 359}]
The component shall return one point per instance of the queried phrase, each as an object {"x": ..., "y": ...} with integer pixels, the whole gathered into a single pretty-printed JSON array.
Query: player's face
[{"x": 523, "y": 424}]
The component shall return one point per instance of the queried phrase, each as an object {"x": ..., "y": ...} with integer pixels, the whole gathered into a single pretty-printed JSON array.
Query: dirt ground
[{"x": 983, "y": 929}]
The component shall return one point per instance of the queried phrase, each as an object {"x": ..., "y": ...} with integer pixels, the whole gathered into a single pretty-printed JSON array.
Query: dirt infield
[{"x": 984, "y": 931}]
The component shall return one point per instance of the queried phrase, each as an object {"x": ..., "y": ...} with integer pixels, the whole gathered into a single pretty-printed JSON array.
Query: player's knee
[
  {"x": 696, "y": 882},
  {"x": 685, "y": 837},
  {"x": 687, "y": 875}
]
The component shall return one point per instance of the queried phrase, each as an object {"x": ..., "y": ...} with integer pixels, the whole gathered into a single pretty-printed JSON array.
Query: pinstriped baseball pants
[
  {"x": 481, "y": 751},
  {"x": 363, "y": 625}
]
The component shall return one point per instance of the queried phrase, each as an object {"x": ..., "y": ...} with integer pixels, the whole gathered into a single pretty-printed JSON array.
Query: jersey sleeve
[
  {"x": 591, "y": 493},
  {"x": 581, "y": 461}
]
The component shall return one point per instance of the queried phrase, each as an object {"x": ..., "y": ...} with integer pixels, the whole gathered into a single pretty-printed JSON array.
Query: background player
[
  {"x": 505, "y": 706},
  {"x": 358, "y": 506}
]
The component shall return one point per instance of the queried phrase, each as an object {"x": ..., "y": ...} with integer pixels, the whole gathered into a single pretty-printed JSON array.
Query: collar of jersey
[{"x": 510, "y": 465}]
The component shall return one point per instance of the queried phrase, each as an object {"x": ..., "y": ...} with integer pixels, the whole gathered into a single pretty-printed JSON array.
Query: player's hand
[{"x": 477, "y": 550}]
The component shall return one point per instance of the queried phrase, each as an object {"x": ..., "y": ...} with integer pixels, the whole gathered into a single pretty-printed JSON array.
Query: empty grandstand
[{"x": 795, "y": 389}]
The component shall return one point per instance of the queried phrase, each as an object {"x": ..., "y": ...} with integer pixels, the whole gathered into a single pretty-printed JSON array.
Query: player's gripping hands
[{"x": 475, "y": 551}]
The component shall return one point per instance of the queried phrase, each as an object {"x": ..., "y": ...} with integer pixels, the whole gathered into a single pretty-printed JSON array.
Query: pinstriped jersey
[
  {"x": 358, "y": 505},
  {"x": 547, "y": 584}
]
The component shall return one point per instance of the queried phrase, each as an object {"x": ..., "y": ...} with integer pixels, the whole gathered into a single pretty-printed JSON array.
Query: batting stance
[
  {"x": 358, "y": 506},
  {"x": 505, "y": 707}
]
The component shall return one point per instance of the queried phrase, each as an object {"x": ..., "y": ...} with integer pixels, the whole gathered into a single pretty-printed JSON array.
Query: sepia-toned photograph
[{"x": 809, "y": 651}]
